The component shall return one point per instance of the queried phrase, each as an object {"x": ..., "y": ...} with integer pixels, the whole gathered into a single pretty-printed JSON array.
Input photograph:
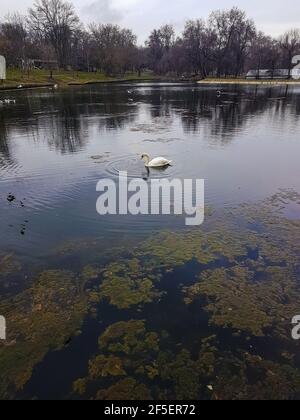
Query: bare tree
[
  {"x": 260, "y": 57},
  {"x": 113, "y": 48},
  {"x": 167, "y": 36},
  {"x": 15, "y": 37},
  {"x": 226, "y": 44},
  {"x": 232, "y": 34},
  {"x": 197, "y": 46},
  {"x": 244, "y": 34},
  {"x": 55, "y": 21},
  {"x": 160, "y": 43}
]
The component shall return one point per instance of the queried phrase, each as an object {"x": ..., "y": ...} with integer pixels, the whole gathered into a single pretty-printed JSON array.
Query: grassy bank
[
  {"x": 243, "y": 81},
  {"x": 37, "y": 78}
]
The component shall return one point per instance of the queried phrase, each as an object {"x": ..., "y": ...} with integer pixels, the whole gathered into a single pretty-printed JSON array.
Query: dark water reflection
[
  {"x": 244, "y": 143},
  {"x": 54, "y": 148}
]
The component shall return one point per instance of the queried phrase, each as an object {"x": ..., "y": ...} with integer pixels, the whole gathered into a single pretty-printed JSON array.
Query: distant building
[
  {"x": 2, "y": 68},
  {"x": 273, "y": 74},
  {"x": 45, "y": 64},
  {"x": 32, "y": 63}
]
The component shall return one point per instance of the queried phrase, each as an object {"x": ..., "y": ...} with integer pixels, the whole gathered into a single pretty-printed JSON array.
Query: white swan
[{"x": 159, "y": 162}]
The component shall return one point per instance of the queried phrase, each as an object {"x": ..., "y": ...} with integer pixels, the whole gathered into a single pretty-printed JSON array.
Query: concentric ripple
[{"x": 136, "y": 169}]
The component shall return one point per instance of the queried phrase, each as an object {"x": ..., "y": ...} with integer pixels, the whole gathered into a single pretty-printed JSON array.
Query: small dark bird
[{"x": 10, "y": 198}]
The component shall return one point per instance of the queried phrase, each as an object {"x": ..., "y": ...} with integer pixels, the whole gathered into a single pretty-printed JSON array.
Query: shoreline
[
  {"x": 28, "y": 86},
  {"x": 248, "y": 82}
]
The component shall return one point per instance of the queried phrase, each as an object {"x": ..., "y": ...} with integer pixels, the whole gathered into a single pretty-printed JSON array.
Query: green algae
[
  {"x": 123, "y": 366},
  {"x": 234, "y": 300},
  {"x": 90, "y": 272},
  {"x": 126, "y": 284},
  {"x": 129, "y": 338},
  {"x": 132, "y": 281},
  {"x": 102, "y": 366},
  {"x": 125, "y": 390},
  {"x": 247, "y": 284},
  {"x": 257, "y": 292},
  {"x": 9, "y": 265},
  {"x": 182, "y": 373},
  {"x": 10, "y": 273},
  {"x": 39, "y": 319},
  {"x": 250, "y": 377},
  {"x": 126, "y": 349}
]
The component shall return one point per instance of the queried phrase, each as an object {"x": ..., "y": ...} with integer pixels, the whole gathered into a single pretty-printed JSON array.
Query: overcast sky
[{"x": 271, "y": 16}]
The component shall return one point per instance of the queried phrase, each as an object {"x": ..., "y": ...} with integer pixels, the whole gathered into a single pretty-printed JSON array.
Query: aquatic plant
[
  {"x": 130, "y": 338},
  {"x": 40, "y": 319},
  {"x": 244, "y": 288},
  {"x": 90, "y": 272},
  {"x": 232, "y": 299},
  {"x": 181, "y": 371},
  {"x": 9, "y": 265},
  {"x": 260, "y": 291},
  {"x": 125, "y": 390},
  {"x": 102, "y": 366},
  {"x": 125, "y": 349},
  {"x": 126, "y": 284}
]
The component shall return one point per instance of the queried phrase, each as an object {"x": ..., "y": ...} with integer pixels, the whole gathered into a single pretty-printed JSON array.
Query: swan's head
[{"x": 145, "y": 157}]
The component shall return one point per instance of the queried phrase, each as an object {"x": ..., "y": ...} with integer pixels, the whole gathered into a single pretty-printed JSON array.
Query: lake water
[{"x": 142, "y": 283}]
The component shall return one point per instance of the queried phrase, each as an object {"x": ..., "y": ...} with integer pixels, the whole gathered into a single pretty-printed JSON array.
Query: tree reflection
[{"x": 63, "y": 118}]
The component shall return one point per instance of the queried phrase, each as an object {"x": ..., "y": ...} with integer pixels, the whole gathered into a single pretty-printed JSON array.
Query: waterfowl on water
[{"x": 158, "y": 162}]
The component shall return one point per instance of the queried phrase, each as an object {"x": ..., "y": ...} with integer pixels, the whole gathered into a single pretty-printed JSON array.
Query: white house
[{"x": 2, "y": 68}]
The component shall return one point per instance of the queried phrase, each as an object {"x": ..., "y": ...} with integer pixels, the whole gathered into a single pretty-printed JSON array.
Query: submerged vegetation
[
  {"x": 228, "y": 332},
  {"x": 10, "y": 272},
  {"x": 40, "y": 319},
  {"x": 234, "y": 299},
  {"x": 8, "y": 265},
  {"x": 247, "y": 285},
  {"x": 127, "y": 284}
]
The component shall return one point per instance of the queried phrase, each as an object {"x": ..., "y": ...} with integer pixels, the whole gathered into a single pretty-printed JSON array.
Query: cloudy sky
[{"x": 271, "y": 16}]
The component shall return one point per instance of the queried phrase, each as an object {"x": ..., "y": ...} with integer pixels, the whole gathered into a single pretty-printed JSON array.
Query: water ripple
[{"x": 136, "y": 169}]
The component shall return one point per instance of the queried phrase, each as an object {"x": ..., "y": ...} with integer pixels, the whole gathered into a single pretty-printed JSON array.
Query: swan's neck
[{"x": 146, "y": 159}]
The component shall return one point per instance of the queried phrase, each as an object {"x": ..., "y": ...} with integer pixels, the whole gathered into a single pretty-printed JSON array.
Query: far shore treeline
[{"x": 227, "y": 43}]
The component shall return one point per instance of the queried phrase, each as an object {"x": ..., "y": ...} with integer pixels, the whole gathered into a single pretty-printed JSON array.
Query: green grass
[{"x": 42, "y": 77}]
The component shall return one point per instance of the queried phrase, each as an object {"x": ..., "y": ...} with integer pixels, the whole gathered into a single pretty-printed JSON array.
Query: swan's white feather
[{"x": 159, "y": 162}]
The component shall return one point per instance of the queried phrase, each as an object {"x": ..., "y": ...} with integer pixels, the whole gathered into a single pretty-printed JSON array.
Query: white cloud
[{"x": 104, "y": 11}]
